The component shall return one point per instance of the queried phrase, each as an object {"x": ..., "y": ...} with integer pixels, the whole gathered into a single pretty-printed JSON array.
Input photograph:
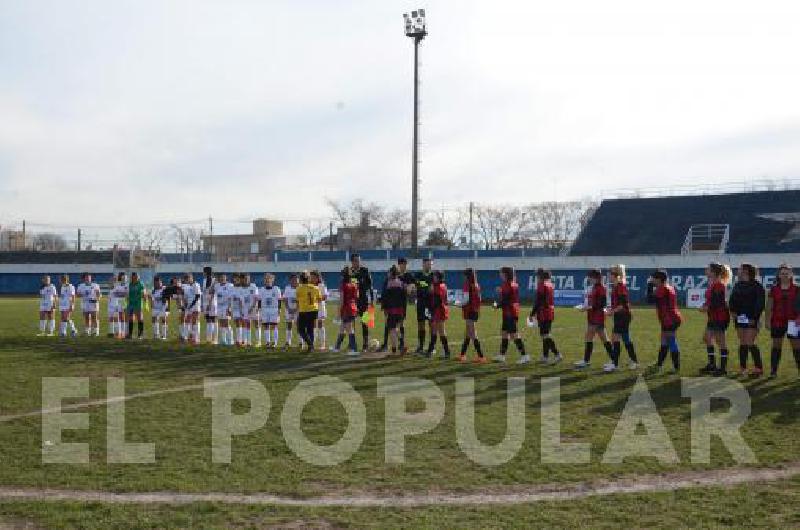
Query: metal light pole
[{"x": 417, "y": 30}]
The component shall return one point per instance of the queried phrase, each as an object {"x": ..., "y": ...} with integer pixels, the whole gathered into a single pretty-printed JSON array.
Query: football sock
[
  {"x": 631, "y": 351},
  {"x": 587, "y": 352},
  {"x": 756, "y": 352}
]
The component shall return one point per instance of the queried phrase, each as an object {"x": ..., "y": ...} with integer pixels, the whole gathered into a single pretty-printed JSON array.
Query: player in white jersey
[
  {"x": 191, "y": 295},
  {"x": 237, "y": 308},
  {"x": 210, "y": 304},
  {"x": 159, "y": 304},
  {"x": 224, "y": 293},
  {"x": 89, "y": 293},
  {"x": 290, "y": 305},
  {"x": 250, "y": 313},
  {"x": 269, "y": 299},
  {"x": 116, "y": 307},
  {"x": 47, "y": 305},
  {"x": 316, "y": 278},
  {"x": 66, "y": 305}
]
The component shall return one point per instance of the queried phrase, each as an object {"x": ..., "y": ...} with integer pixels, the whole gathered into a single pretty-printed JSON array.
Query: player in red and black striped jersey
[
  {"x": 393, "y": 303},
  {"x": 508, "y": 302},
  {"x": 544, "y": 312},
  {"x": 663, "y": 295},
  {"x": 439, "y": 314},
  {"x": 783, "y": 306},
  {"x": 348, "y": 311},
  {"x": 719, "y": 317},
  {"x": 471, "y": 309},
  {"x": 620, "y": 310},
  {"x": 594, "y": 307}
]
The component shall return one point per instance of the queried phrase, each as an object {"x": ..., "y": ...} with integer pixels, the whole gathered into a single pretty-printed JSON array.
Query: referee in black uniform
[
  {"x": 364, "y": 280},
  {"x": 422, "y": 284}
]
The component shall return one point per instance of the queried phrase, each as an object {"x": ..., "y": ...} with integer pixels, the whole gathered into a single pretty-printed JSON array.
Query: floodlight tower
[{"x": 417, "y": 30}]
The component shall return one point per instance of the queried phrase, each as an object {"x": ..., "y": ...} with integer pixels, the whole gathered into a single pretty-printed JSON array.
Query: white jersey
[
  {"x": 323, "y": 309},
  {"x": 160, "y": 304},
  {"x": 225, "y": 293},
  {"x": 47, "y": 297},
  {"x": 270, "y": 304},
  {"x": 290, "y": 297},
  {"x": 237, "y": 301},
  {"x": 250, "y": 302},
  {"x": 190, "y": 292},
  {"x": 210, "y": 299},
  {"x": 90, "y": 297},
  {"x": 65, "y": 295},
  {"x": 116, "y": 297}
]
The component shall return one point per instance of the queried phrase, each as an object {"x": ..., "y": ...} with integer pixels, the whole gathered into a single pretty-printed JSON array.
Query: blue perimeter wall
[{"x": 682, "y": 278}]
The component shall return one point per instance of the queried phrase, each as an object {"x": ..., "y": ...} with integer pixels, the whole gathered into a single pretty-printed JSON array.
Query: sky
[{"x": 126, "y": 112}]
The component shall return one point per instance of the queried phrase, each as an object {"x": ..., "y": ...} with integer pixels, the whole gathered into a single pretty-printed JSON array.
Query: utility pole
[
  {"x": 471, "y": 208},
  {"x": 210, "y": 249},
  {"x": 330, "y": 236},
  {"x": 24, "y": 239},
  {"x": 417, "y": 30},
  {"x": 79, "y": 239}
]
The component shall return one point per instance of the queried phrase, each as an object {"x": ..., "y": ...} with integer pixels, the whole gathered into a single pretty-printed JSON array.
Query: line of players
[{"x": 235, "y": 311}]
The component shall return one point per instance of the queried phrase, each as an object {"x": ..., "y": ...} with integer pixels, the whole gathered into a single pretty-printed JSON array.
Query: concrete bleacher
[{"x": 760, "y": 223}]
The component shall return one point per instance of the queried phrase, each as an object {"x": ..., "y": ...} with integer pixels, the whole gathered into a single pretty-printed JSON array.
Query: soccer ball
[{"x": 374, "y": 345}]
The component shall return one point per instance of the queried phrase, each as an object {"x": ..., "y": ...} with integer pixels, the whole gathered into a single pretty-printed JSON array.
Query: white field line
[{"x": 514, "y": 495}]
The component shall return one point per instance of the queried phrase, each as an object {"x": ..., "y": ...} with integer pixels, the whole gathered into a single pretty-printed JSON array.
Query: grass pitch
[{"x": 179, "y": 423}]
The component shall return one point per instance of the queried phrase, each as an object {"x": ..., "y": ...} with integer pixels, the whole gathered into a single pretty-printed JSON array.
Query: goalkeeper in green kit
[{"x": 135, "y": 300}]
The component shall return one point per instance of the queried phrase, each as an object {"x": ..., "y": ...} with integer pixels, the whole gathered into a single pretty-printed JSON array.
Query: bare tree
[
  {"x": 188, "y": 238},
  {"x": 557, "y": 224},
  {"x": 447, "y": 225},
  {"x": 396, "y": 227},
  {"x": 314, "y": 230},
  {"x": 149, "y": 238},
  {"x": 497, "y": 224},
  {"x": 355, "y": 212},
  {"x": 49, "y": 242}
]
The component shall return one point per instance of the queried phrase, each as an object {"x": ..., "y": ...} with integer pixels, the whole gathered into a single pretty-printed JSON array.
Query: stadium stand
[{"x": 756, "y": 223}]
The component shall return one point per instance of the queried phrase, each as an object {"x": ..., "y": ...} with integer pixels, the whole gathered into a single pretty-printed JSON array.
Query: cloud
[{"x": 187, "y": 109}]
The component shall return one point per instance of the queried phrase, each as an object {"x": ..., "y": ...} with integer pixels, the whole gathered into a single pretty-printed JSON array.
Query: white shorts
[
  {"x": 222, "y": 312},
  {"x": 114, "y": 307},
  {"x": 45, "y": 306},
  {"x": 322, "y": 314},
  {"x": 236, "y": 313},
  {"x": 65, "y": 307},
  {"x": 90, "y": 307},
  {"x": 160, "y": 312},
  {"x": 271, "y": 317},
  {"x": 291, "y": 316},
  {"x": 211, "y": 310}
]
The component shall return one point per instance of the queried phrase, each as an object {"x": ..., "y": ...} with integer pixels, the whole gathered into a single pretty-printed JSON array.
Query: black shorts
[
  {"x": 362, "y": 306},
  {"x": 596, "y": 327},
  {"x": 472, "y": 315},
  {"x": 753, "y": 324},
  {"x": 671, "y": 327},
  {"x": 509, "y": 324},
  {"x": 423, "y": 312},
  {"x": 622, "y": 323},
  {"x": 394, "y": 321},
  {"x": 545, "y": 326},
  {"x": 348, "y": 319},
  {"x": 718, "y": 326},
  {"x": 211, "y": 318}
]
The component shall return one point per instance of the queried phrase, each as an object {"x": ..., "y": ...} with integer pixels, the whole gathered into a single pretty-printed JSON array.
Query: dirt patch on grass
[{"x": 513, "y": 494}]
